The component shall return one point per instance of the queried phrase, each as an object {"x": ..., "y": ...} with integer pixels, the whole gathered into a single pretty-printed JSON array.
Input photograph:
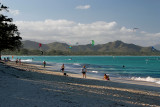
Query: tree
[{"x": 9, "y": 34}]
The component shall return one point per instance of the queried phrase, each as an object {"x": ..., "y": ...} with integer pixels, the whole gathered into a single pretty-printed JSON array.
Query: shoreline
[
  {"x": 114, "y": 79},
  {"x": 73, "y": 89},
  {"x": 39, "y": 68}
]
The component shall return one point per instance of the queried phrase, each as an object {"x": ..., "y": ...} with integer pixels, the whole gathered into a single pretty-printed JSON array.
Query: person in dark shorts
[
  {"x": 84, "y": 70},
  {"x": 44, "y": 64},
  {"x": 62, "y": 68},
  {"x": 17, "y": 61}
]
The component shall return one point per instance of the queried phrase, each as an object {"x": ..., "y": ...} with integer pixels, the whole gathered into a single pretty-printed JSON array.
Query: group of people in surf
[
  {"x": 18, "y": 61},
  {"x": 84, "y": 71},
  {"x": 6, "y": 59}
]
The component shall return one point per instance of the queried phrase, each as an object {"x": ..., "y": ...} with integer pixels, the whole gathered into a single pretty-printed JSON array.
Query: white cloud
[
  {"x": 72, "y": 32},
  {"x": 125, "y": 30},
  {"x": 14, "y": 12},
  {"x": 83, "y": 7}
]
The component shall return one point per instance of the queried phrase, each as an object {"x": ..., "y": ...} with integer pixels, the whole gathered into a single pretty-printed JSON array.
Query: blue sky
[{"x": 73, "y": 21}]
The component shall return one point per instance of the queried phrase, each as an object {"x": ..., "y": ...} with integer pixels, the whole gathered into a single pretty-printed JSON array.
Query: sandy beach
[{"x": 29, "y": 85}]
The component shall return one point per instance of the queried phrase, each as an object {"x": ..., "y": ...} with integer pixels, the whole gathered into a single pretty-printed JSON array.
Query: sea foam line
[
  {"x": 26, "y": 60},
  {"x": 149, "y": 79}
]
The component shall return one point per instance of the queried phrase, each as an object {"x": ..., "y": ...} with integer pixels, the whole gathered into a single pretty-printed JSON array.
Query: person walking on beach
[
  {"x": 62, "y": 68},
  {"x": 84, "y": 70},
  {"x": 44, "y": 64},
  {"x": 19, "y": 61}
]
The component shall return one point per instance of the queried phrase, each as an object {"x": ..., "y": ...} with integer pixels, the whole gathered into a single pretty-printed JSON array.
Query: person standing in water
[
  {"x": 19, "y": 61},
  {"x": 84, "y": 70},
  {"x": 62, "y": 68},
  {"x": 44, "y": 64}
]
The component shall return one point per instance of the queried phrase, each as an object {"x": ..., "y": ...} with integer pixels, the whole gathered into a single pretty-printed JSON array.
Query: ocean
[{"x": 145, "y": 68}]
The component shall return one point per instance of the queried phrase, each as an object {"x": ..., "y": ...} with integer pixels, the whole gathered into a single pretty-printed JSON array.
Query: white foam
[
  {"x": 94, "y": 71},
  {"x": 158, "y": 82},
  {"x": 27, "y": 60},
  {"x": 76, "y": 64},
  {"x": 149, "y": 79}
]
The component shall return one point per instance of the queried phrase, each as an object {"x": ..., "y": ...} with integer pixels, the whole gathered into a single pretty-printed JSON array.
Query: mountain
[
  {"x": 157, "y": 47},
  {"x": 58, "y": 46},
  {"x": 117, "y": 46},
  {"x": 32, "y": 45}
]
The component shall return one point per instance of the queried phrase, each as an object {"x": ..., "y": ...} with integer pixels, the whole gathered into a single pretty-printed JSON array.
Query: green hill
[
  {"x": 32, "y": 45},
  {"x": 117, "y": 46},
  {"x": 57, "y": 48},
  {"x": 111, "y": 48}
]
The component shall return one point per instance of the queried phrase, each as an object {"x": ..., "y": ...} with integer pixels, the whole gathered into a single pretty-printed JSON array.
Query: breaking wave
[
  {"x": 27, "y": 60},
  {"x": 94, "y": 71},
  {"x": 149, "y": 79},
  {"x": 76, "y": 64}
]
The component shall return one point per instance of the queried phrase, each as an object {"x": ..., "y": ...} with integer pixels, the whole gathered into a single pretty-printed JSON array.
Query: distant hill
[
  {"x": 32, "y": 45},
  {"x": 157, "y": 47},
  {"x": 117, "y": 46},
  {"x": 58, "y": 46}
]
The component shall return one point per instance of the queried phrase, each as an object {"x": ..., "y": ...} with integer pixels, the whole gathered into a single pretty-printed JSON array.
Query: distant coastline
[{"x": 13, "y": 53}]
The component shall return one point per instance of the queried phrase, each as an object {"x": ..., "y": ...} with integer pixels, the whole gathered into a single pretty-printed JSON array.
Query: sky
[{"x": 80, "y": 21}]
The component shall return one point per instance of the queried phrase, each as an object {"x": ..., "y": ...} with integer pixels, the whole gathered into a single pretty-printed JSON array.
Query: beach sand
[{"x": 31, "y": 85}]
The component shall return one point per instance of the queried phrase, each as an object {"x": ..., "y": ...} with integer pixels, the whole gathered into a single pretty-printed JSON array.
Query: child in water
[{"x": 106, "y": 77}]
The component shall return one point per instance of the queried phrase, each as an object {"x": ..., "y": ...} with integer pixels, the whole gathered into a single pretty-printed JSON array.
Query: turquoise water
[{"x": 135, "y": 67}]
